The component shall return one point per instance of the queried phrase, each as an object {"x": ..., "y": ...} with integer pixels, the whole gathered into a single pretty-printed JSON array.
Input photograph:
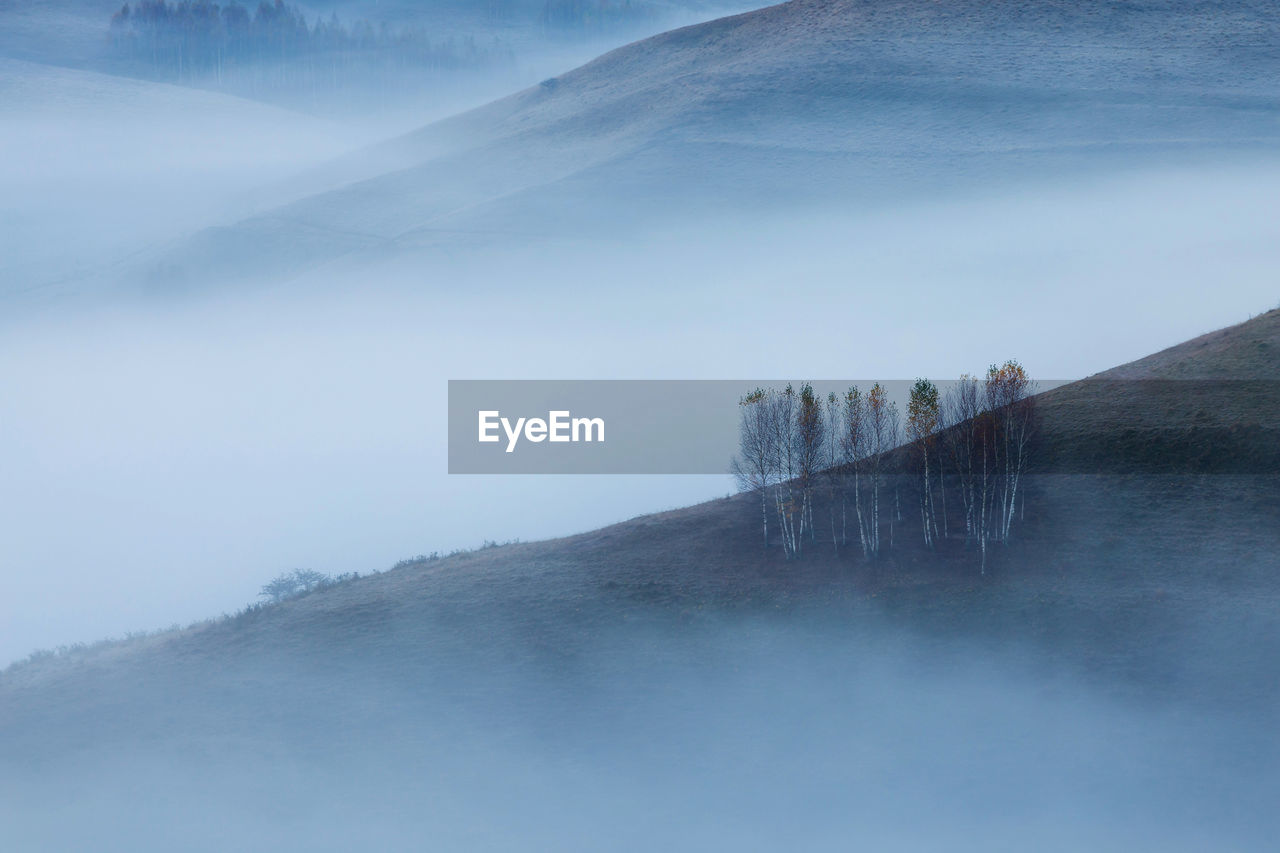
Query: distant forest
[
  {"x": 273, "y": 44},
  {"x": 200, "y": 41},
  {"x": 835, "y": 471}
]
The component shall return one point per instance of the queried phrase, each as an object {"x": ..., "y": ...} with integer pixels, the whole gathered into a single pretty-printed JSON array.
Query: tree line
[
  {"x": 831, "y": 471},
  {"x": 197, "y": 39}
]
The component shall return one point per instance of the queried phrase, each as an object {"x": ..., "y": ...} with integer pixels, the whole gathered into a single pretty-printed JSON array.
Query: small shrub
[{"x": 293, "y": 584}]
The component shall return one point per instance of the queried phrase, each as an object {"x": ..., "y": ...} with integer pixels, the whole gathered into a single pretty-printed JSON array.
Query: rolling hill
[
  {"x": 808, "y": 102},
  {"x": 62, "y": 32},
  {"x": 78, "y": 143},
  {"x": 668, "y": 680},
  {"x": 1109, "y": 564}
]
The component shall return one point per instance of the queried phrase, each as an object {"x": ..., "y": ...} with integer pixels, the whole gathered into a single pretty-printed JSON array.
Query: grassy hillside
[
  {"x": 1207, "y": 406},
  {"x": 78, "y": 143},
  {"x": 1110, "y": 684},
  {"x": 1144, "y": 579},
  {"x": 845, "y": 102}
]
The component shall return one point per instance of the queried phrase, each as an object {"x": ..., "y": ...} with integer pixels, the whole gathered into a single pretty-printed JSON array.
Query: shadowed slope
[{"x": 1210, "y": 405}]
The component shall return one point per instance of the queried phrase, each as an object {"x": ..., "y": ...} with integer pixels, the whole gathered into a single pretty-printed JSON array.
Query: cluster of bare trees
[{"x": 853, "y": 455}]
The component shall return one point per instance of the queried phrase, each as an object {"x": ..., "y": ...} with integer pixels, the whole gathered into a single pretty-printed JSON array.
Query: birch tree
[
  {"x": 963, "y": 405},
  {"x": 853, "y": 450},
  {"x": 832, "y": 473},
  {"x": 810, "y": 440},
  {"x": 789, "y": 508},
  {"x": 922, "y": 422},
  {"x": 881, "y": 431},
  {"x": 941, "y": 454},
  {"x": 1009, "y": 399},
  {"x": 754, "y": 466},
  {"x": 992, "y": 424}
]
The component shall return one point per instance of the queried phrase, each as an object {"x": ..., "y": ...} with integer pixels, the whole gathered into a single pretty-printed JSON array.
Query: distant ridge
[{"x": 843, "y": 102}]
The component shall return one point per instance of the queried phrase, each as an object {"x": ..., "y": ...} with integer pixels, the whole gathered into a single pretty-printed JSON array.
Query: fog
[
  {"x": 174, "y": 454},
  {"x": 202, "y": 386},
  {"x": 96, "y": 168},
  {"x": 750, "y": 735}
]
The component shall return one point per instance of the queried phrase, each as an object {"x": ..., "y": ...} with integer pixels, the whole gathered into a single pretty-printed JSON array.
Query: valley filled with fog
[
  {"x": 229, "y": 313},
  {"x": 744, "y": 735},
  {"x": 201, "y": 444}
]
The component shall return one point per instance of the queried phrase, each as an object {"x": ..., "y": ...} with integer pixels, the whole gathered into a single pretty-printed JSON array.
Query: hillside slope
[
  {"x": 1210, "y": 405},
  {"x": 1106, "y": 568},
  {"x": 78, "y": 143},
  {"x": 811, "y": 101},
  {"x": 667, "y": 682},
  {"x": 63, "y": 32}
]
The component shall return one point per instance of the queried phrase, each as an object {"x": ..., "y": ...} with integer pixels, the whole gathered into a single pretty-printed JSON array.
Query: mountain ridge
[{"x": 805, "y": 102}]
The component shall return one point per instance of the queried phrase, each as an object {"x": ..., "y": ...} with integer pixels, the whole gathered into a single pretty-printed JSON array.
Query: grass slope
[
  {"x": 832, "y": 102},
  {"x": 1147, "y": 582}
]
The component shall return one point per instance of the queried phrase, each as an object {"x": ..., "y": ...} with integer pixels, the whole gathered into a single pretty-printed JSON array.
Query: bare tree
[
  {"x": 810, "y": 440},
  {"x": 991, "y": 427},
  {"x": 833, "y": 462},
  {"x": 853, "y": 450},
  {"x": 941, "y": 449},
  {"x": 1012, "y": 406},
  {"x": 786, "y": 468},
  {"x": 963, "y": 405},
  {"x": 882, "y": 434},
  {"x": 754, "y": 466}
]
